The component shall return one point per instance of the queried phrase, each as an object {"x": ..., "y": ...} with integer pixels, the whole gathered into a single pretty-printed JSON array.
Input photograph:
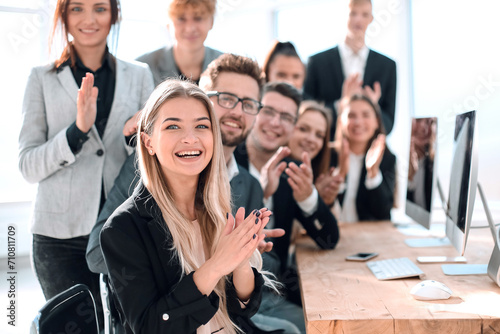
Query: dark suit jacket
[
  {"x": 375, "y": 204},
  {"x": 325, "y": 77},
  {"x": 154, "y": 295},
  {"x": 245, "y": 190},
  {"x": 321, "y": 226}
]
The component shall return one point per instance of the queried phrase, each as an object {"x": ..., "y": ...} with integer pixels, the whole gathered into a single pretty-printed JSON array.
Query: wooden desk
[{"x": 345, "y": 297}]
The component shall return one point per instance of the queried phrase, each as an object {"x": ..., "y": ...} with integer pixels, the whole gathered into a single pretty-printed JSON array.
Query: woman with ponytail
[
  {"x": 71, "y": 140},
  {"x": 179, "y": 262}
]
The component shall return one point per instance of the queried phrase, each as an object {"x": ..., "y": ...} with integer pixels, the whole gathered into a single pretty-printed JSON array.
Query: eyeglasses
[
  {"x": 229, "y": 101},
  {"x": 285, "y": 117}
]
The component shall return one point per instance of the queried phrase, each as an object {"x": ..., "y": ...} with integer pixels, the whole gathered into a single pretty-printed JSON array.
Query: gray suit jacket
[
  {"x": 69, "y": 185},
  {"x": 162, "y": 62}
]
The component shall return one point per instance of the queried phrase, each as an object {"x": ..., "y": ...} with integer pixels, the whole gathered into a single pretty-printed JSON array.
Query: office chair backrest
[{"x": 71, "y": 311}]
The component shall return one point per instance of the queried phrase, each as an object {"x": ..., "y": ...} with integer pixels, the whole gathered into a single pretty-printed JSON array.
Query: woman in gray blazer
[{"x": 71, "y": 140}]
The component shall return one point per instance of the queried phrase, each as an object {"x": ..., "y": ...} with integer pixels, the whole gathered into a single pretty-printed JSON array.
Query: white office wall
[{"x": 456, "y": 64}]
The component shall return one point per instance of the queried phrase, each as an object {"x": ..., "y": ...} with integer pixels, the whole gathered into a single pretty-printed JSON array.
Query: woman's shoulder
[
  {"x": 44, "y": 70},
  {"x": 135, "y": 213},
  {"x": 212, "y": 53},
  {"x": 132, "y": 65}
]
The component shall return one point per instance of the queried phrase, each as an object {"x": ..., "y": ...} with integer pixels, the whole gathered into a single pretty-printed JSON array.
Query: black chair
[{"x": 71, "y": 311}]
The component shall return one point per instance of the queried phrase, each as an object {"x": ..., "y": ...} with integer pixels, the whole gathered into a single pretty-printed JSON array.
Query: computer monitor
[
  {"x": 422, "y": 167},
  {"x": 422, "y": 179},
  {"x": 463, "y": 181}
]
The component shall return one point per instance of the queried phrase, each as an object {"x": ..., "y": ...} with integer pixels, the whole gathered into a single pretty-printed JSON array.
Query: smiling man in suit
[{"x": 351, "y": 67}]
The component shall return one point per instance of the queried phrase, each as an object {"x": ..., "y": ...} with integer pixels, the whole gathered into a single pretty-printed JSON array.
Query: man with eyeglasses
[
  {"x": 288, "y": 185},
  {"x": 234, "y": 84}
]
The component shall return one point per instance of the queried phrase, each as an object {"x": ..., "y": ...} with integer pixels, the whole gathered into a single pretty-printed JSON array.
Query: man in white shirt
[{"x": 351, "y": 67}]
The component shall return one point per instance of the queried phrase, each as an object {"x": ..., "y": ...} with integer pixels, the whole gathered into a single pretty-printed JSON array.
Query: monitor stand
[
  {"x": 433, "y": 242},
  {"x": 492, "y": 268}
]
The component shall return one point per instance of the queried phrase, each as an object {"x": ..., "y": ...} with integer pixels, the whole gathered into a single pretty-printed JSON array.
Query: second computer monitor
[
  {"x": 422, "y": 170},
  {"x": 463, "y": 181}
]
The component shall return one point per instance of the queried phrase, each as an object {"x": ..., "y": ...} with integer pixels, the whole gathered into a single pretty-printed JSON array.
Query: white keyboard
[{"x": 394, "y": 268}]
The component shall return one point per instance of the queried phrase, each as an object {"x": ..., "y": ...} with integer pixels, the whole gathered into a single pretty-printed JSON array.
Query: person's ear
[{"x": 146, "y": 139}]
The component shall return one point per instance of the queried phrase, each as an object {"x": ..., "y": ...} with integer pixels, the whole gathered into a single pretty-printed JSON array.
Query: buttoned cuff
[
  {"x": 76, "y": 138},
  {"x": 310, "y": 204}
]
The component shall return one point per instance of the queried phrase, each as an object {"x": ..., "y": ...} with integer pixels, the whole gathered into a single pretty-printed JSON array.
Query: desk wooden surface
[{"x": 345, "y": 297}]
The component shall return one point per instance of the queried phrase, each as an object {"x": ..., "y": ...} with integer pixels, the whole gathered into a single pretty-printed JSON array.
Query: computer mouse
[{"x": 430, "y": 290}]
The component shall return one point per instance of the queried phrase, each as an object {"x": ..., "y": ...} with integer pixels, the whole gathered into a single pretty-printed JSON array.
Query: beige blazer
[{"x": 69, "y": 185}]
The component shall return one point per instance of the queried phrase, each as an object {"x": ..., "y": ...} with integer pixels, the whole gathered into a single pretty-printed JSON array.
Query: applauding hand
[
  {"x": 300, "y": 178},
  {"x": 271, "y": 172},
  {"x": 86, "y": 104},
  {"x": 374, "y": 156},
  {"x": 131, "y": 125},
  {"x": 328, "y": 185}
]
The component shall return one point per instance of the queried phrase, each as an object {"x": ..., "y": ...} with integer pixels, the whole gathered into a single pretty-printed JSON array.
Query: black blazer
[
  {"x": 153, "y": 294},
  {"x": 375, "y": 204},
  {"x": 321, "y": 226},
  {"x": 325, "y": 77}
]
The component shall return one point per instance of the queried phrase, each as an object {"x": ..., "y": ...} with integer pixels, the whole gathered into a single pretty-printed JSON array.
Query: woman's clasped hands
[{"x": 239, "y": 240}]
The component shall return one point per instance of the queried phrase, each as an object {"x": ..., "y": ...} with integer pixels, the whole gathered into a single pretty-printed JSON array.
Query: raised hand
[
  {"x": 131, "y": 125},
  {"x": 239, "y": 240},
  {"x": 374, "y": 156},
  {"x": 343, "y": 164},
  {"x": 86, "y": 104},
  {"x": 267, "y": 246},
  {"x": 352, "y": 85},
  {"x": 373, "y": 94},
  {"x": 233, "y": 250},
  {"x": 328, "y": 185},
  {"x": 300, "y": 178},
  {"x": 271, "y": 172}
]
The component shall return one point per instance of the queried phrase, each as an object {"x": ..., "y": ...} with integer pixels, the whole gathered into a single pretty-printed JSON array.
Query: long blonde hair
[{"x": 212, "y": 200}]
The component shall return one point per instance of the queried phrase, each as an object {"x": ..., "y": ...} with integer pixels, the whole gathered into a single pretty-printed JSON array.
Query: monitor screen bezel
[
  {"x": 457, "y": 236},
  {"x": 421, "y": 215}
]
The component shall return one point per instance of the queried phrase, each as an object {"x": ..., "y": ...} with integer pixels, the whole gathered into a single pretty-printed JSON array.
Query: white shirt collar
[
  {"x": 346, "y": 51},
  {"x": 232, "y": 168},
  {"x": 353, "y": 62}
]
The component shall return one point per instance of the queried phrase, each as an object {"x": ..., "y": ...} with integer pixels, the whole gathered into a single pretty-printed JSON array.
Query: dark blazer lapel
[
  {"x": 336, "y": 65},
  {"x": 370, "y": 67},
  {"x": 68, "y": 82},
  {"x": 156, "y": 237}
]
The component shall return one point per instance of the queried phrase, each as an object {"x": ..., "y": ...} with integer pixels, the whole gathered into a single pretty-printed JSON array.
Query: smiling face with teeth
[
  {"x": 89, "y": 22},
  {"x": 234, "y": 123},
  {"x": 182, "y": 138},
  {"x": 308, "y": 135},
  {"x": 269, "y": 134},
  {"x": 359, "y": 122}
]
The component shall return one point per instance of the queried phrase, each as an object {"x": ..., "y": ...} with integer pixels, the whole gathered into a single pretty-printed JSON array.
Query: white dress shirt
[
  {"x": 353, "y": 62},
  {"x": 349, "y": 213}
]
